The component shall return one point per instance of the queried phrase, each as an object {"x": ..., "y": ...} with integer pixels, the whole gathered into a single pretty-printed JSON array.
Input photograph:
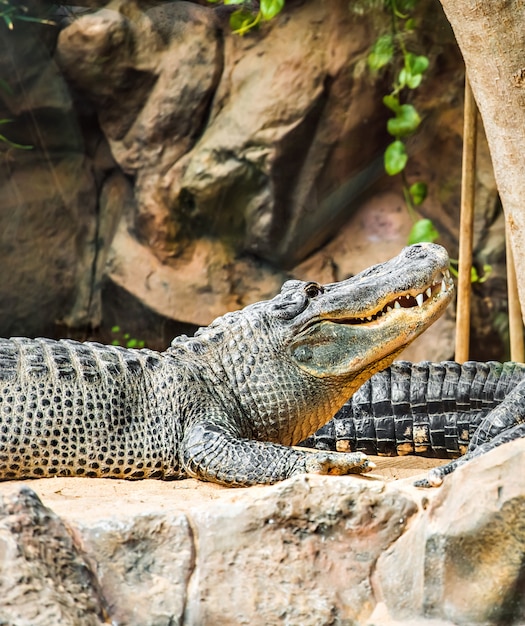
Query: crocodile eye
[{"x": 313, "y": 289}]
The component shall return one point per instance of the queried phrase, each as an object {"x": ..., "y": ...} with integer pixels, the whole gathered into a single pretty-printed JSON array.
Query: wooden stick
[
  {"x": 466, "y": 224},
  {"x": 515, "y": 319}
]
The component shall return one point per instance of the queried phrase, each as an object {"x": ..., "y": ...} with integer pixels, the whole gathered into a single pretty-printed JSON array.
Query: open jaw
[
  {"x": 440, "y": 286},
  {"x": 353, "y": 347}
]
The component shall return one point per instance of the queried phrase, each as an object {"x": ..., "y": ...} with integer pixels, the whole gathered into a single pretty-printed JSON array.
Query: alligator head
[{"x": 363, "y": 323}]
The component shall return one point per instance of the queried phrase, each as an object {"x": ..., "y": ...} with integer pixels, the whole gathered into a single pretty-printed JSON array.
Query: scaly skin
[
  {"x": 226, "y": 404},
  {"x": 445, "y": 410}
]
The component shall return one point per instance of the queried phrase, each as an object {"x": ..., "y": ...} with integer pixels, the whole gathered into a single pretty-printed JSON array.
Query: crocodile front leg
[{"x": 211, "y": 453}]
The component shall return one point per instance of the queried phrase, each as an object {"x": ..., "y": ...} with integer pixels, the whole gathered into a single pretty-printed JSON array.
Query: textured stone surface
[
  {"x": 295, "y": 100},
  {"x": 293, "y": 93},
  {"x": 44, "y": 576},
  {"x": 216, "y": 188},
  {"x": 196, "y": 291},
  {"x": 46, "y": 222},
  {"x": 317, "y": 544},
  {"x": 312, "y": 550},
  {"x": 462, "y": 558},
  {"x": 48, "y": 205},
  {"x": 299, "y": 552},
  {"x": 144, "y": 562},
  {"x": 151, "y": 73}
]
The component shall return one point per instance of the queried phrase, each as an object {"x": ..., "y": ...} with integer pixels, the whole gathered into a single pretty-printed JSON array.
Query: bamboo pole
[
  {"x": 515, "y": 319},
  {"x": 466, "y": 224}
]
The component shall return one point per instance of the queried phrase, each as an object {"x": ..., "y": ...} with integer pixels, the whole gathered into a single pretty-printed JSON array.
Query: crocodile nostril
[{"x": 417, "y": 250}]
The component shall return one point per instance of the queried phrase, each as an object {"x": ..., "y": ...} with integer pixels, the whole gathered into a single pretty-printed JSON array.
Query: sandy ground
[{"x": 98, "y": 498}]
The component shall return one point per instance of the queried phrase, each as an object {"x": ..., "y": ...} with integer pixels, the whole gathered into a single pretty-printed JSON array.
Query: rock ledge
[{"x": 311, "y": 550}]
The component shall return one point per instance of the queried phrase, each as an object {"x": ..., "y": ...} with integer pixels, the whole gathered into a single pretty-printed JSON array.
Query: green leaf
[
  {"x": 395, "y": 158},
  {"x": 406, "y": 79},
  {"x": 414, "y": 80},
  {"x": 241, "y": 21},
  {"x": 115, "y": 329},
  {"x": 392, "y": 102},
  {"x": 115, "y": 342},
  {"x": 410, "y": 24},
  {"x": 381, "y": 53},
  {"x": 13, "y": 144},
  {"x": 132, "y": 343},
  {"x": 476, "y": 278},
  {"x": 233, "y": 1},
  {"x": 401, "y": 8},
  {"x": 418, "y": 193},
  {"x": 405, "y": 122},
  {"x": 402, "y": 78},
  {"x": 423, "y": 230},
  {"x": 271, "y": 8},
  {"x": 412, "y": 73},
  {"x": 417, "y": 64}
]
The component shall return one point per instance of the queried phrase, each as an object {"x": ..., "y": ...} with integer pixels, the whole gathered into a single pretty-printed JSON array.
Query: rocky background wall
[{"x": 178, "y": 171}]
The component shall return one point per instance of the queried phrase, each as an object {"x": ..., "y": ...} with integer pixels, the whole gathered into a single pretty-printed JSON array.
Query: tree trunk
[{"x": 491, "y": 36}]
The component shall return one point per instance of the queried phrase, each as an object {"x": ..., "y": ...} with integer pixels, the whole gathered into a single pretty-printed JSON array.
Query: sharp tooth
[
  {"x": 447, "y": 274},
  {"x": 407, "y": 297},
  {"x": 419, "y": 299},
  {"x": 443, "y": 285},
  {"x": 397, "y": 305},
  {"x": 428, "y": 292},
  {"x": 388, "y": 309},
  {"x": 369, "y": 318}
]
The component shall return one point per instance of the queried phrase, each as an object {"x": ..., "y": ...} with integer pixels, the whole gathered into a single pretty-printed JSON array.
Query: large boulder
[
  {"x": 44, "y": 577},
  {"x": 310, "y": 550},
  {"x": 261, "y": 129},
  {"x": 462, "y": 559}
]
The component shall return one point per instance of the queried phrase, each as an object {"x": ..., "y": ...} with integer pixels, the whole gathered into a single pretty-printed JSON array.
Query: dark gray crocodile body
[
  {"x": 444, "y": 410},
  {"x": 227, "y": 404}
]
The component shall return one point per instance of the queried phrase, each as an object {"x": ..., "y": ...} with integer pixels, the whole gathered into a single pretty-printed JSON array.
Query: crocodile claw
[
  {"x": 338, "y": 463},
  {"x": 434, "y": 479}
]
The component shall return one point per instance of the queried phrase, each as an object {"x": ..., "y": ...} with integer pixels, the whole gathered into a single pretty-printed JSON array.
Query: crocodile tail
[{"x": 426, "y": 408}]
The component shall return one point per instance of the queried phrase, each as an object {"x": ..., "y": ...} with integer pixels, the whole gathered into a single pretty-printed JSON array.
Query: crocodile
[
  {"x": 442, "y": 410},
  {"x": 227, "y": 405}
]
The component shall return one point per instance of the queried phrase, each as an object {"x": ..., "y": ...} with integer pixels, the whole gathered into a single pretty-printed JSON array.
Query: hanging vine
[
  {"x": 390, "y": 49},
  {"x": 245, "y": 18}
]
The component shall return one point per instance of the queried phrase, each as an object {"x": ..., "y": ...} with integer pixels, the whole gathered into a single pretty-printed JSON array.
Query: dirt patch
[{"x": 93, "y": 498}]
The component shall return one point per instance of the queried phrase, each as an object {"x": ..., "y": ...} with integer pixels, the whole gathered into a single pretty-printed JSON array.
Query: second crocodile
[{"x": 444, "y": 410}]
